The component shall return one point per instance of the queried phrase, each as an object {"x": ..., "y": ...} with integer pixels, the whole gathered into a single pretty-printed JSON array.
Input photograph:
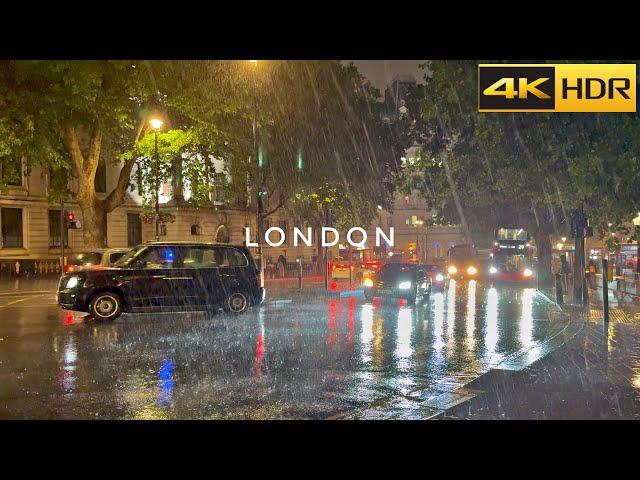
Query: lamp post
[
  {"x": 636, "y": 223},
  {"x": 417, "y": 225},
  {"x": 156, "y": 124},
  {"x": 256, "y": 181}
]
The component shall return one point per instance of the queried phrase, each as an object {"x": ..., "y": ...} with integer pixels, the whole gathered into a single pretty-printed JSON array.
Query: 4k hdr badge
[{"x": 587, "y": 87}]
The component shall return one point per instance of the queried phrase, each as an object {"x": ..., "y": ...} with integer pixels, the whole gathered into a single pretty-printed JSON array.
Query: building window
[
  {"x": 219, "y": 186},
  {"x": 54, "y": 230},
  {"x": 222, "y": 234},
  {"x": 11, "y": 219},
  {"x": 57, "y": 179},
  {"x": 100, "y": 181},
  {"x": 134, "y": 229},
  {"x": 11, "y": 172}
]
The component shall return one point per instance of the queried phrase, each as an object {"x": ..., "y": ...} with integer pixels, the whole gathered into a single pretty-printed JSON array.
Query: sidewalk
[{"x": 594, "y": 375}]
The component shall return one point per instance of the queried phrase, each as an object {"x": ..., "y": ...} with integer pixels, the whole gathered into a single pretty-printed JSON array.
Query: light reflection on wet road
[{"x": 311, "y": 360}]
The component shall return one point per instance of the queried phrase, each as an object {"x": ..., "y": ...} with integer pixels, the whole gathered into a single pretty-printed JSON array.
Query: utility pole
[
  {"x": 157, "y": 186},
  {"x": 578, "y": 227},
  {"x": 62, "y": 232}
]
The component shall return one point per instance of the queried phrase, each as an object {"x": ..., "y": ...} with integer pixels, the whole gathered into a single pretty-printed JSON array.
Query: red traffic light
[{"x": 71, "y": 217}]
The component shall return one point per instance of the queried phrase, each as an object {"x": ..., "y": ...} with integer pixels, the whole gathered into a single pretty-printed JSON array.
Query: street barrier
[
  {"x": 30, "y": 268},
  {"x": 628, "y": 287}
]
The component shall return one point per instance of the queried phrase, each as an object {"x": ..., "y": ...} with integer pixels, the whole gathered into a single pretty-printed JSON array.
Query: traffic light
[
  {"x": 299, "y": 164},
  {"x": 262, "y": 193},
  {"x": 70, "y": 221}
]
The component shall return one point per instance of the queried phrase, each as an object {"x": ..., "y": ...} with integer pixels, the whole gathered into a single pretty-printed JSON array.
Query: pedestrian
[
  {"x": 282, "y": 265},
  {"x": 591, "y": 274}
]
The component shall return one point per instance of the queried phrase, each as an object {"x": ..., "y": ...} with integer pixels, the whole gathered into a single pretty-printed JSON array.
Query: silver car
[{"x": 104, "y": 257}]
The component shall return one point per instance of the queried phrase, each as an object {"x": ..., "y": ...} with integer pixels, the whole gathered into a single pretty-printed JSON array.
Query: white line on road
[{"x": 21, "y": 300}]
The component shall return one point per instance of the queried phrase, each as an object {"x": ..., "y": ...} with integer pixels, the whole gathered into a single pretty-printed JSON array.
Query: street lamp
[
  {"x": 156, "y": 124},
  {"x": 257, "y": 182},
  {"x": 636, "y": 223},
  {"x": 417, "y": 224}
]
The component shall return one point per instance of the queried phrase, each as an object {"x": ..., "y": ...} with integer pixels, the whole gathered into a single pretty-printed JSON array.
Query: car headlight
[
  {"x": 527, "y": 272},
  {"x": 439, "y": 277},
  {"x": 493, "y": 270},
  {"x": 72, "y": 282},
  {"x": 472, "y": 270},
  {"x": 368, "y": 282},
  {"x": 404, "y": 285},
  {"x": 452, "y": 270}
]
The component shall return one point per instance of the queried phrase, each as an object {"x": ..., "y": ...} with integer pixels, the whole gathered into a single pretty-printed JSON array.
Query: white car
[
  {"x": 340, "y": 268},
  {"x": 104, "y": 257}
]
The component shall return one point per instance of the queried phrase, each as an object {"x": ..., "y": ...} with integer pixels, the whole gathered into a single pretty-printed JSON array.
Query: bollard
[
  {"x": 559, "y": 293},
  {"x": 605, "y": 292},
  {"x": 299, "y": 260}
]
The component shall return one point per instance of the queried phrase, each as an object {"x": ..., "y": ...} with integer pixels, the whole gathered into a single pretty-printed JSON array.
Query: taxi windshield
[{"x": 125, "y": 260}]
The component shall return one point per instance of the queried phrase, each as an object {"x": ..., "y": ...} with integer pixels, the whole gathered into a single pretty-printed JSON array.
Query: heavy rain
[{"x": 313, "y": 239}]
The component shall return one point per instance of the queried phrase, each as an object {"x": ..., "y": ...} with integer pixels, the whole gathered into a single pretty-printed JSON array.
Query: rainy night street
[{"x": 298, "y": 356}]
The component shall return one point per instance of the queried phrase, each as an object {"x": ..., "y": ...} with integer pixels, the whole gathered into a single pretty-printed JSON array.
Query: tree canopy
[{"x": 317, "y": 122}]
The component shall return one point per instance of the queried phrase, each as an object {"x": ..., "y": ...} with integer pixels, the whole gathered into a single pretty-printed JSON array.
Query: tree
[
  {"x": 317, "y": 123},
  {"x": 487, "y": 169},
  {"x": 69, "y": 114}
]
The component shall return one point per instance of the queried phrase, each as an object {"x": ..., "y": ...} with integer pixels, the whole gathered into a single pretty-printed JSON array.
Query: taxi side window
[
  {"x": 158, "y": 257},
  {"x": 200, "y": 257},
  {"x": 230, "y": 257}
]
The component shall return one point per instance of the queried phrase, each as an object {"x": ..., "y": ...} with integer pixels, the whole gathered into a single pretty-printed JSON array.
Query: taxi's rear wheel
[
  {"x": 237, "y": 302},
  {"x": 105, "y": 306}
]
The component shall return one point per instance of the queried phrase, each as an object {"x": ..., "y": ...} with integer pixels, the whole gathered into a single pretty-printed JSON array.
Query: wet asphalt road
[{"x": 317, "y": 358}]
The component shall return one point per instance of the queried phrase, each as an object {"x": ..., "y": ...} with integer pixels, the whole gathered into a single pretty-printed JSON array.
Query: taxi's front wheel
[{"x": 105, "y": 306}]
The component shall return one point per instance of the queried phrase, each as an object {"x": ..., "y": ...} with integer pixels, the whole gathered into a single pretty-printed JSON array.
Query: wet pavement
[{"x": 307, "y": 356}]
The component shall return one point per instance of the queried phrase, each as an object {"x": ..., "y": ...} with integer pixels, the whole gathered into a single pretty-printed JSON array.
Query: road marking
[
  {"x": 18, "y": 293},
  {"x": 20, "y": 300}
]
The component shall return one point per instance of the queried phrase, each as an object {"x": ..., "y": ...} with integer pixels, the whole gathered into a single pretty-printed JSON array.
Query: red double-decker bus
[{"x": 512, "y": 256}]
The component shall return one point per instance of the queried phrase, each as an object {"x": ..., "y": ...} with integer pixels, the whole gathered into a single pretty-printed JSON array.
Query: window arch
[{"x": 222, "y": 234}]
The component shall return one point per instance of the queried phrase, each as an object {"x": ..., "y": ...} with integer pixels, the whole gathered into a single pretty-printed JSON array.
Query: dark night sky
[{"x": 381, "y": 72}]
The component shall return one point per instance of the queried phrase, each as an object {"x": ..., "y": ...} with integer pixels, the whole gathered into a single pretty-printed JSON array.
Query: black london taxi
[
  {"x": 166, "y": 276},
  {"x": 400, "y": 280}
]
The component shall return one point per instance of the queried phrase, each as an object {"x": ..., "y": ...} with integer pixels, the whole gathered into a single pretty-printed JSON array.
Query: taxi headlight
[
  {"x": 72, "y": 282},
  {"x": 493, "y": 270},
  {"x": 452, "y": 270},
  {"x": 368, "y": 282},
  {"x": 527, "y": 272},
  {"x": 472, "y": 270},
  {"x": 404, "y": 285},
  {"x": 439, "y": 277}
]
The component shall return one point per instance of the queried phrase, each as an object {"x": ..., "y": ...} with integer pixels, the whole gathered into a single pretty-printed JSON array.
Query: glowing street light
[{"x": 156, "y": 124}]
